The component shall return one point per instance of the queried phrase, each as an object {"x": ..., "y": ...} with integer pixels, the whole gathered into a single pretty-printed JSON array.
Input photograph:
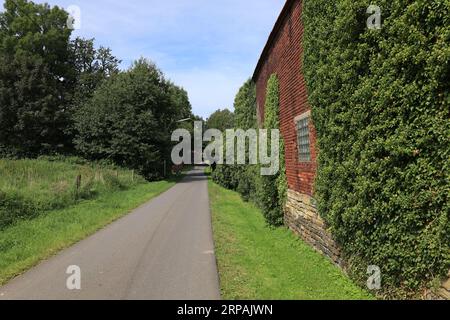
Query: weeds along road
[{"x": 162, "y": 250}]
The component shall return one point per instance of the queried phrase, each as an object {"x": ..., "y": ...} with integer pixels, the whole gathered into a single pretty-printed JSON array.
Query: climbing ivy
[
  {"x": 268, "y": 192},
  {"x": 380, "y": 103},
  {"x": 272, "y": 189}
]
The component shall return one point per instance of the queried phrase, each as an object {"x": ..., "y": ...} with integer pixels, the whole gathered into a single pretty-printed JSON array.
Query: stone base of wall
[
  {"x": 301, "y": 216},
  {"x": 444, "y": 291}
]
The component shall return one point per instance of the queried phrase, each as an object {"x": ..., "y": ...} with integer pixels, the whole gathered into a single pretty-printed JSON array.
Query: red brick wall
[{"x": 284, "y": 58}]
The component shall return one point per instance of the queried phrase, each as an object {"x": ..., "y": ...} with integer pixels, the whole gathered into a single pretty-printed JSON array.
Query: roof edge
[{"x": 273, "y": 34}]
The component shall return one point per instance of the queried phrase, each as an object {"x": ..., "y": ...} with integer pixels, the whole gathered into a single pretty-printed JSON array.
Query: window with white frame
[{"x": 303, "y": 139}]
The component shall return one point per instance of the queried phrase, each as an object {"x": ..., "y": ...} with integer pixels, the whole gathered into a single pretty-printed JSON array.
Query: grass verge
[
  {"x": 27, "y": 242},
  {"x": 259, "y": 262}
]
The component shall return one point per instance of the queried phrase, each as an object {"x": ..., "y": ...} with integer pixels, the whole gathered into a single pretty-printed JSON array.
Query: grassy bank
[
  {"x": 27, "y": 240},
  {"x": 257, "y": 262},
  {"x": 31, "y": 187}
]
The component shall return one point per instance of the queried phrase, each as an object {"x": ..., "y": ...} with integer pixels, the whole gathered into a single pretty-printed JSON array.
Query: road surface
[{"x": 162, "y": 250}]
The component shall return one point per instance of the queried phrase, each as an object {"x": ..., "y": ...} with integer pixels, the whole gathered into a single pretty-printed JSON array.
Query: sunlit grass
[
  {"x": 27, "y": 242},
  {"x": 31, "y": 187},
  {"x": 259, "y": 262}
]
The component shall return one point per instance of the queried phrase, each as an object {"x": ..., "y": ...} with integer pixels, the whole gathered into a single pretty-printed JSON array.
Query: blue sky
[{"x": 209, "y": 47}]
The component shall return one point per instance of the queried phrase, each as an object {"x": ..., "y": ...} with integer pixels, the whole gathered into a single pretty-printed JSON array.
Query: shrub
[
  {"x": 226, "y": 176},
  {"x": 245, "y": 118},
  {"x": 13, "y": 207},
  {"x": 380, "y": 104},
  {"x": 272, "y": 189},
  {"x": 268, "y": 192}
]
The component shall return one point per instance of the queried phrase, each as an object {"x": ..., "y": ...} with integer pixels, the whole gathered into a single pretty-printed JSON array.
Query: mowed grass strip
[
  {"x": 259, "y": 262},
  {"x": 27, "y": 242}
]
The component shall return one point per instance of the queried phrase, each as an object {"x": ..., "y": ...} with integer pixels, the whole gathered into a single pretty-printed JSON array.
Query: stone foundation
[
  {"x": 444, "y": 291},
  {"x": 301, "y": 216}
]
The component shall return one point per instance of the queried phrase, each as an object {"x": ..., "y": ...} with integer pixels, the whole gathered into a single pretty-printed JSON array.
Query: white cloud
[{"x": 208, "y": 47}]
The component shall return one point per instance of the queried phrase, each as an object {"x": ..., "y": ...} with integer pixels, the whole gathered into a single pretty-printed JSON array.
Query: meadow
[{"x": 31, "y": 187}]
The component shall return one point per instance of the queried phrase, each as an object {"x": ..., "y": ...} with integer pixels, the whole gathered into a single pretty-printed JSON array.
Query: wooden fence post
[{"x": 78, "y": 182}]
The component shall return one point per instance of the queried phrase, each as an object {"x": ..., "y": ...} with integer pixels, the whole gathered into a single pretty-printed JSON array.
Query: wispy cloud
[{"x": 208, "y": 47}]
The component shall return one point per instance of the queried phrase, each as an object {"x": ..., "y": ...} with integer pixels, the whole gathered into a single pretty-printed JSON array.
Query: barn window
[{"x": 303, "y": 140}]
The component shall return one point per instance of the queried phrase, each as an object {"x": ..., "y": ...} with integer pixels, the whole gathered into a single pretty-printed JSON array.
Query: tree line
[
  {"x": 60, "y": 95},
  {"x": 267, "y": 192}
]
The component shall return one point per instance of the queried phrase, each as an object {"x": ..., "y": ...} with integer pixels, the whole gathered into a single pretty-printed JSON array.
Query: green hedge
[
  {"x": 272, "y": 189},
  {"x": 380, "y": 101},
  {"x": 237, "y": 177},
  {"x": 268, "y": 192}
]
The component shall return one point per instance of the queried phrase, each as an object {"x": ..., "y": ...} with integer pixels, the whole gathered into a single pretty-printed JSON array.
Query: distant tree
[
  {"x": 35, "y": 78},
  {"x": 221, "y": 120}
]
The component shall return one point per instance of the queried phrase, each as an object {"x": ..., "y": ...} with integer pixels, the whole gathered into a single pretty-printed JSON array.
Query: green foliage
[
  {"x": 92, "y": 67},
  {"x": 35, "y": 78},
  {"x": 49, "y": 85},
  {"x": 130, "y": 118},
  {"x": 240, "y": 177},
  {"x": 221, "y": 120},
  {"x": 257, "y": 262},
  {"x": 227, "y": 176},
  {"x": 245, "y": 119},
  {"x": 245, "y": 106},
  {"x": 271, "y": 189},
  {"x": 380, "y": 101},
  {"x": 44, "y": 77},
  {"x": 268, "y": 192},
  {"x": 30, "y": 187}
]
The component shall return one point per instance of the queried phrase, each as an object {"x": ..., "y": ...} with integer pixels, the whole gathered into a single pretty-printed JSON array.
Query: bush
[
  {"x": 238, "y": 177},
  {"x": 225, "y": 175},
  {"x": 380, "y": 104},
  {"x": 13, "y": 207},
  {"x": 268, "y": 192},
  {"x": 271, "y": 189}
]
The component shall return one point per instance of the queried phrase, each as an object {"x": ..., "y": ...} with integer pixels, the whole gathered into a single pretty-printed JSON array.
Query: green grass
[
  {"x": 26, "y": 242},
  {"x": 30, "y": 187},
  {"x": 258, "y": 262}
]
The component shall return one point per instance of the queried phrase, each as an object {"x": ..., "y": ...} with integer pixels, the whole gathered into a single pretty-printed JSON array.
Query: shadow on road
[{"x": 195, "y": 175}]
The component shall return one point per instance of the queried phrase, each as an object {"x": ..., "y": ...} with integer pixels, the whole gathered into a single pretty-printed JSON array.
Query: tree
[
  {"x": 35, "y": 77},
  {"x": 92, "y": 67},
  {"x": 221, "y": 120},
  {"x": 245, "y": 106},
  {"x": 130, "y": 118}
]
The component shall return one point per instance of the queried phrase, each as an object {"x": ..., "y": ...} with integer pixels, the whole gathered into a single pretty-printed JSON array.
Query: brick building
[{"x": 282, "y": 56}]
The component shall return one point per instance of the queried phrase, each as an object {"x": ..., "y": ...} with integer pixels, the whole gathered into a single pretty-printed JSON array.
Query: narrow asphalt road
[{"x": 162, "y": 250}]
